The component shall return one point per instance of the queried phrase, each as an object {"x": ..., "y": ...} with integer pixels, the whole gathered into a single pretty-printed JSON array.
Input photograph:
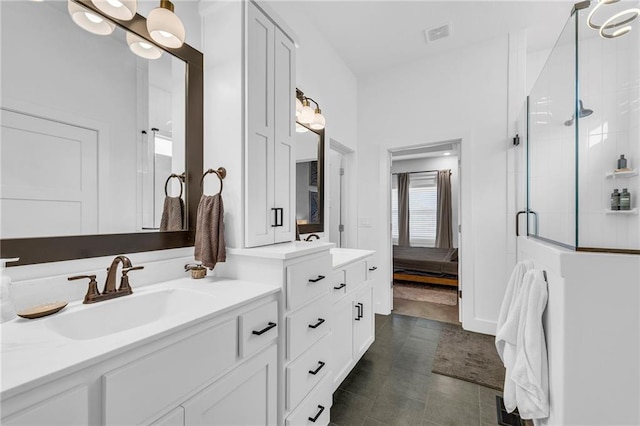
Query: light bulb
[
  {"x": 306, "y": 114},
  {"x": 165, "y": 27},
  {"x": 142, "y": 47},
  {"x": 298, "y": 108},
  {"x": 88, "y": 20},
  {"x": 123, "y": 10},
  {"x": 318, "y": 120}
]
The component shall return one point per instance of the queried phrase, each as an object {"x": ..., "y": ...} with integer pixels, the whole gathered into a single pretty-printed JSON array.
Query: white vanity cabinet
[
  {"x": 250, "y": 99},
  {"x": 220, "y": 371},
  {"x": 353, "y": 324}
]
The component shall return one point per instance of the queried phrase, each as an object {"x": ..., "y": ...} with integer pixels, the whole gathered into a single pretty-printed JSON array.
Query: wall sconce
[
  {"x": 142, "y": 47},
  {"x": 123, "y": 10},
  {"x": 88, "y": 20},
  {"x": 307, "y": 115},
  {"x": 620, "y": 27},
  {"x": 164, "y": 26}
]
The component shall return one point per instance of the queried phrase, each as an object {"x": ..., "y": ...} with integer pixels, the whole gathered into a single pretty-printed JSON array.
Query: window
[{"x": 422, "y": 209}]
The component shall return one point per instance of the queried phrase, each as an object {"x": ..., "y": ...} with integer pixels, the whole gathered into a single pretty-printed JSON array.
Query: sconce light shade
[
  {"x": 142, "y": 47},
  {"x": 298, "y": 108},
  {"x": 318, "y": 120},
  {"x": 307, "y": 113},
  {"x": 124, "y": 10},
  {"x": 300, "y": 128},
  {"x": 165, "y": 27},
  {"x": 89, "y": 21}
]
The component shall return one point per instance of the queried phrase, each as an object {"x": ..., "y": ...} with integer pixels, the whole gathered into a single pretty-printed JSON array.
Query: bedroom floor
[{"x": 439, "y": 303}]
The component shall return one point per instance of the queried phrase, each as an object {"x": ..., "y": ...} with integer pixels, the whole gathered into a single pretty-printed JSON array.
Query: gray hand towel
[
  {"x": 210, "y": 246},
  {"x": 172, "y": 214}
]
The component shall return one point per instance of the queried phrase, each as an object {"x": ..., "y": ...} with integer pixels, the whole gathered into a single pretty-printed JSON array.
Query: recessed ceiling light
[{"x": 447, "y": 153}]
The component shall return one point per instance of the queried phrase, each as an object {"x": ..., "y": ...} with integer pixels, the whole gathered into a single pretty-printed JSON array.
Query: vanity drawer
[
  {"x": 307, "y": 280},
  {"x": 355, "y": 275},
  {"x": 371, "y": 269},
  {"x": 306, "y": 326},
  {"x": 257, "y": 328},
  {"x": 317, "y": 406},
  {"x": 305, "y": 372},
  {"x": 192, "y": 361},
  {"x": 338, "y": 285}
]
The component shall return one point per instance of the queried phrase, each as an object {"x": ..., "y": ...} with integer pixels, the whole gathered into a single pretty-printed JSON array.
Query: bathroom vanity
[{"x": 181, "y": 352}]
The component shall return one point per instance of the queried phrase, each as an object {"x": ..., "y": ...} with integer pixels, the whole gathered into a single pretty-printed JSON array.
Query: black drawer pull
[
  {"x": 320, "y": 278},
  {"x": 373, "y": 268},
  {"x": 340, "y": 287},
  {"x": 264, "y": 330},
  {"x": 313, "y": 419},
  {"x": 316, "y": 325},
  {"x": 358, "y": 307},
  {"x": 361, "y": 310},
  {"x": 314, "y": 372}
]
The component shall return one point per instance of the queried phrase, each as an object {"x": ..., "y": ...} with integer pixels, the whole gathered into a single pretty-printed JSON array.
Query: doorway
[{"x": 425, "y": 200}]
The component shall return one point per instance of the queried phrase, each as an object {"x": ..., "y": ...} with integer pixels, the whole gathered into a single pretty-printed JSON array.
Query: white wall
[
  {"x": 436, "y": 163},
  {"x": 457, "y": 95}
]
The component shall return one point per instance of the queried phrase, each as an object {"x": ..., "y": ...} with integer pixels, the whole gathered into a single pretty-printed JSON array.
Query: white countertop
[
  {"x": 283, "y": 251},
  {"x": 32, "y": 354},
  {"x": 344, "y": 256}
]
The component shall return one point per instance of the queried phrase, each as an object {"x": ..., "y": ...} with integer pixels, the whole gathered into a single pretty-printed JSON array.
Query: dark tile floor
[{"x": 393, "y": 384}]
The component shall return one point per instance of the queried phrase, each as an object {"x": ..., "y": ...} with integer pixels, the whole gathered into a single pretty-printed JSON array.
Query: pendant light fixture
[
  {"x": 307, "y": 115},
  {"x": 88, "y": 20},
  {"x": 123, "y": 10},
  {"x": 614, "y": 26},
  {"x": 164, "y": 27},
  {"x": 142, "y": 47}
]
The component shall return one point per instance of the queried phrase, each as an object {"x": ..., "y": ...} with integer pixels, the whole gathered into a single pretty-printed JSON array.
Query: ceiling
[{"x": 374, "y": 35}]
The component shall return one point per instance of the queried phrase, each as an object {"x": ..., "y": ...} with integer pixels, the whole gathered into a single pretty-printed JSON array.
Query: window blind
[{"x": 422, "y": 209}]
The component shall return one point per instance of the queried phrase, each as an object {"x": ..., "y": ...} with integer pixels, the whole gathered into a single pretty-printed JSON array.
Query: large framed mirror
[
  {"x": 101, "y": 149},
  {"x": 309, "y": 179}
]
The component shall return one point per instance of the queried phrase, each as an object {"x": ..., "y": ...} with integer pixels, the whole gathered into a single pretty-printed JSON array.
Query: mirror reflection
[
  {"x": 92, "y": 135},
  {"x": 309, "y": 187}
]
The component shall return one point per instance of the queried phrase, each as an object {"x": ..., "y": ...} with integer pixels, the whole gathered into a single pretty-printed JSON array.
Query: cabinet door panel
[
  {"x": 342, "y": 339},
  {"x": 364, "y": 326},
  {"x": 246, "y": 396},
  {"x": 68, "y": 408},
  {"x": 259, "y": 155},
  {"x": 284, "y": 118},
  {"x": 175, "y": 417}
]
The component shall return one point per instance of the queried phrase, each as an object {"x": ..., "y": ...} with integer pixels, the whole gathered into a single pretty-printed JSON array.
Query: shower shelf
[
  {"x": 623, "y": 212},
  {"x": 625, "y": 174}
]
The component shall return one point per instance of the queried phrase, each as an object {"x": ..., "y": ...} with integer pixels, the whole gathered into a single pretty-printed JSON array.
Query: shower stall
[{"x": 582, "y": 115}]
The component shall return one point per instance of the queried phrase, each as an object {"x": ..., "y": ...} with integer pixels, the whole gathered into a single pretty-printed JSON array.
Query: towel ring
[
  {"x": 180, "y": 178},
  {"x": 221, "y": 173}
]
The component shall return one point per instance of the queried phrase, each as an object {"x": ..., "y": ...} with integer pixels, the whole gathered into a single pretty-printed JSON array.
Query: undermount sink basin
[{"x": 127, "y": 312}]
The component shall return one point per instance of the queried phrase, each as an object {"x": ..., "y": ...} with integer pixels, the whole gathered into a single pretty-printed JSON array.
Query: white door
[
  {"x": 342, "y": 339},
  {"x": 363, "y": 320},
  {"x": 260, "y": 155},
  {"x": 58, "y": 193},
  {"x": 284, "y": 118},
  {"x": 246, "y": 396}
]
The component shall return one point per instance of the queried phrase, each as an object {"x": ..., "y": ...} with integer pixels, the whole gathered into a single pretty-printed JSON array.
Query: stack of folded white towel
[{"x": 521, "y": 344}]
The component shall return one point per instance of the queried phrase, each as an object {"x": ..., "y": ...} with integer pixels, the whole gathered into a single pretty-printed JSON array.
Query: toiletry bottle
[
  {"x": 7, "y": 311},
  {"x": 622, "y": 162},
  {"x": 615, "y": 200},
  {"x": 625, "y": 200}
]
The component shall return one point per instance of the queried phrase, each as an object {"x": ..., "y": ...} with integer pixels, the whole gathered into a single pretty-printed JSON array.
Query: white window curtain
[{"x": 423, "y": 197}]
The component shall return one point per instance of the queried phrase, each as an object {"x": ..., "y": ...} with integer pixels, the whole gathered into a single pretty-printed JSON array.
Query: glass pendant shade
[
  {"x": 307, "y": 113},
  {"x": 89, "y": 21},
  {"x": 142, "y": 47},
  {"x": 300, "y": 128},
  {"x": 318, "y": 121},
  {"x": 164, "y": 27},
  {"x": 123, "y": 10},
  {"x": 298, "y": 108}
]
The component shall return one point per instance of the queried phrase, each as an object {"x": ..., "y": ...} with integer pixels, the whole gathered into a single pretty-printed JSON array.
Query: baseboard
[{"x": 479, "y": 326}]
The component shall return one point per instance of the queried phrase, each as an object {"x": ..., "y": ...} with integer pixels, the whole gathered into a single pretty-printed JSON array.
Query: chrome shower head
[{"x": 582, "y": 113}]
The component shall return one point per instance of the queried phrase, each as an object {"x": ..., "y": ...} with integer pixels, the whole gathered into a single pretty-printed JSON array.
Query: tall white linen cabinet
[{"x": 250, "y": 120}]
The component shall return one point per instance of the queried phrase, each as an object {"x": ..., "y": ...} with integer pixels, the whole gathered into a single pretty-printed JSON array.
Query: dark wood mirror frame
[
  {"x": 54, "y": 249},
  {"x": 317, "y": 227}
]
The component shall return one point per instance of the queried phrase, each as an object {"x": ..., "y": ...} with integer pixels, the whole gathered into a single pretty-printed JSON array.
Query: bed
[{"x": 426, "y": 265}]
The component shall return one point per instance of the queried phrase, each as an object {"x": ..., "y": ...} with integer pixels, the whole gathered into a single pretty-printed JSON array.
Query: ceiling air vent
[{"x": 436, "y": 33}]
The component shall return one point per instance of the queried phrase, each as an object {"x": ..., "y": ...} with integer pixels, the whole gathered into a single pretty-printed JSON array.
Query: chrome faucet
[
  {"x": 316, "y": 237},
  {"x": 109, "y": 291}
]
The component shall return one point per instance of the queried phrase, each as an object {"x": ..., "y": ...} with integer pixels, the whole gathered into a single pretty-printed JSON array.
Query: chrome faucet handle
[
  {"x": 92, "y": 291},
  {"x": 124, "y": 281}
]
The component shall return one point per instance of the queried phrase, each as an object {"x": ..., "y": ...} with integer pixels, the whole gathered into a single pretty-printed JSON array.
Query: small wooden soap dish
[{"x": 42, "y": 310}]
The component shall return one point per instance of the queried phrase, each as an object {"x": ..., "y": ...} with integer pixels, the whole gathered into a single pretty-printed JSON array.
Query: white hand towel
[
  {"x": 531, "y": 371},
  {"x": 507, "y": 334}
]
